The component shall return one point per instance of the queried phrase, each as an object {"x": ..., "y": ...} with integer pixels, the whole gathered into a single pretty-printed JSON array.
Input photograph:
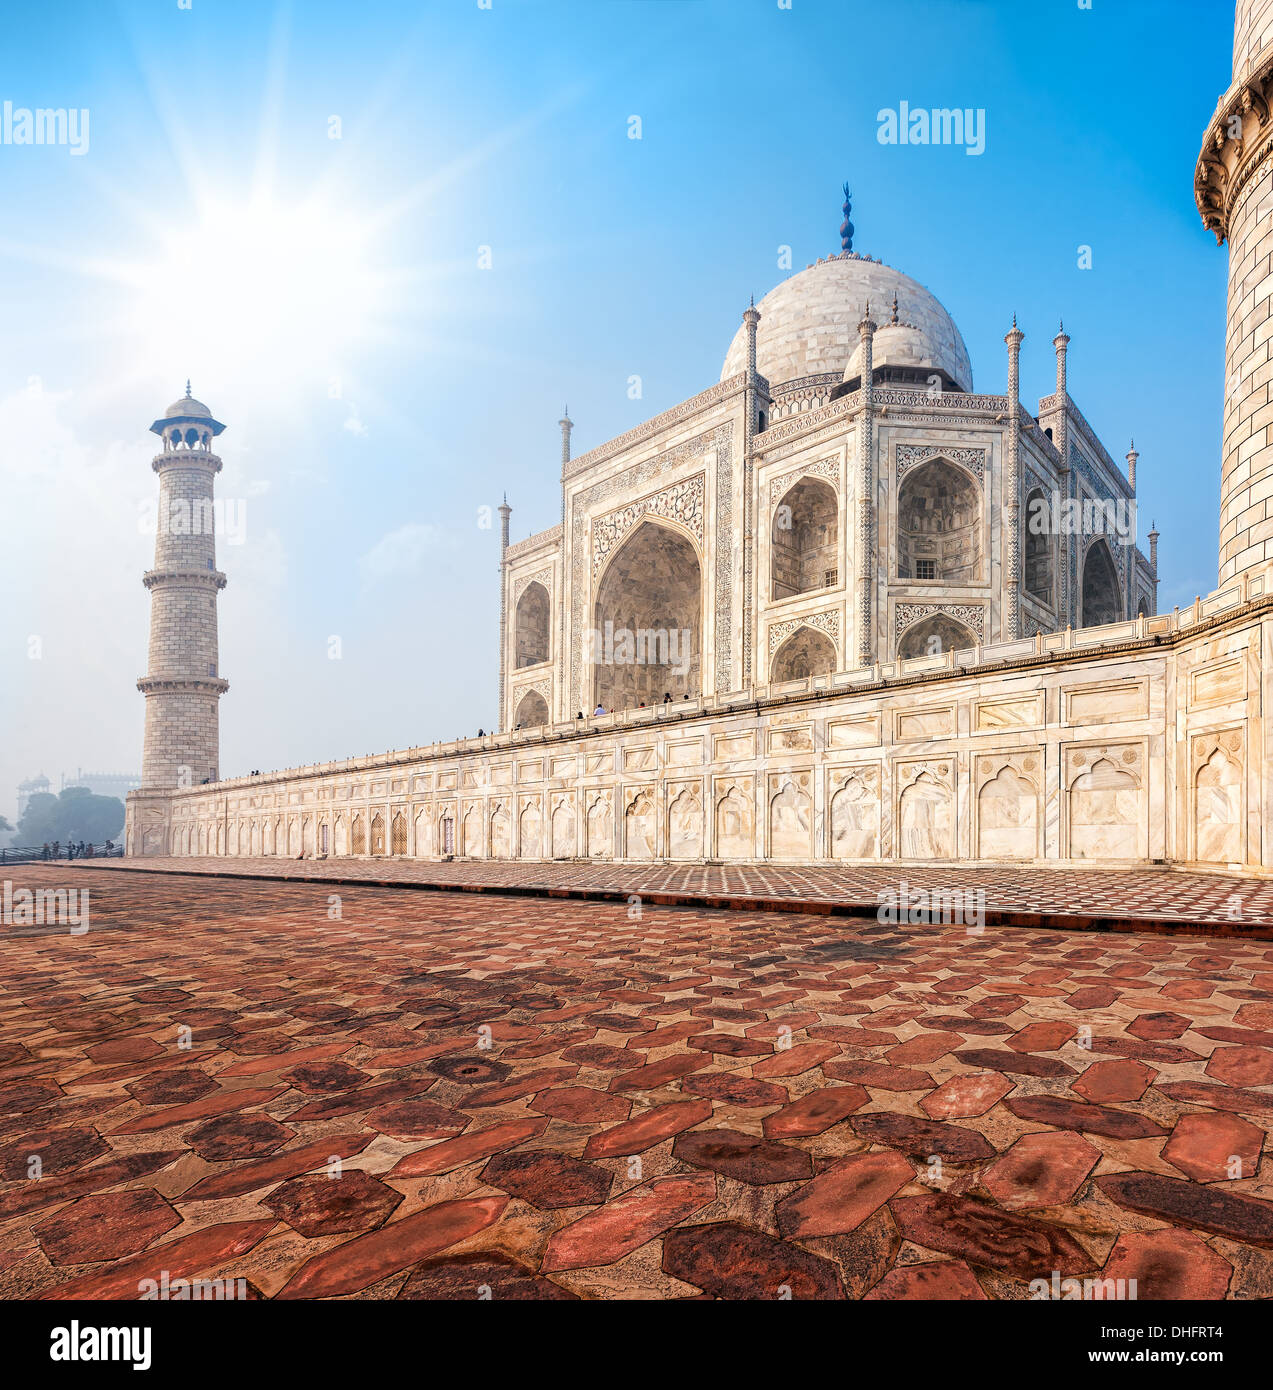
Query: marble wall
[{"x": 1141, "y": 750}]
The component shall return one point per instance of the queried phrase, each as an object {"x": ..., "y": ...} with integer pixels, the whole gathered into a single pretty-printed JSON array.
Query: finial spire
[
  {"x": 893, "y": 320},
  {"x": 187, "y": 388},
  {"x": 846, "y": 227}
]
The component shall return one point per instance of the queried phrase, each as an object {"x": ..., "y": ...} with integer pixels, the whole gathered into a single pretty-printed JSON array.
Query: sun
[{"x": 284, "y": 290}]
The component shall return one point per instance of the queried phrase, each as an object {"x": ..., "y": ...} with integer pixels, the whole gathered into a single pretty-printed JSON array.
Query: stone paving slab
[
  {"x": 1099, "y": 899},
  {"x": 331, "y": 1091}
]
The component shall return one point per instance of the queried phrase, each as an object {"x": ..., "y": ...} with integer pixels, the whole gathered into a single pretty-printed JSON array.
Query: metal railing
[{"x": 37, "y": 854}]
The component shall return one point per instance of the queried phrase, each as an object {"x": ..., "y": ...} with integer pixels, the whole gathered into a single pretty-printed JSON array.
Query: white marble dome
[
  {"x": 809, "y": 323},
  {"x": 897, "y": 345},
  {"x": 185, "y": 409}
]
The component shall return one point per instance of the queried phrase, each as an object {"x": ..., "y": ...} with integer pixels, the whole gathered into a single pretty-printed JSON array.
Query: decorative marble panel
[
  {"x": 854, "y": 806},
  {"x": 825, "y": 468},
  {"x": 908, "y": 456},
  {"x": 682, "y": 503},
  {"x": 1216, "y": 762},
  {"x": 791, "y": 816},
  {"x": 972, "y": 615},
  {"x": 1008, "y": 804}
]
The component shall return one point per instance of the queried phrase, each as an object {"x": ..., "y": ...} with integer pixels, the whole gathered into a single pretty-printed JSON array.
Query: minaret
[
  {"x": 1061, "y": 437},
  {"x": 567, "y": 424},
  {"x": 751, "y": 321},
  {"x": 183, "y": 682},
  {"x": 1014, "y": 339},
  {"x": 1133, "y": 457},
  {"x": 866, "y": 498},
  {"x": 505, "y": 511},
  {"x": 1233, "y": 182},
  {"x": 560, "y": 706}
]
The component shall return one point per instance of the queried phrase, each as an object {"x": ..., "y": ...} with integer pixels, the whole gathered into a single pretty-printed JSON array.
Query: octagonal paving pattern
[{"x": 336, "y": 1091}]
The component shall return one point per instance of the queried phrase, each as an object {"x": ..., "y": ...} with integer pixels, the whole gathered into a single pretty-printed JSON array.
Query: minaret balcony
[
  {"x": 182, "y": 685},
  {"x": 206, "y": 579}
]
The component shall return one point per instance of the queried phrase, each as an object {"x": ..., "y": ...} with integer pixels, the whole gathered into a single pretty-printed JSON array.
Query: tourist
[
  {"x": 667, "y": 697},
  {"x": 579, "y": 715},
  {"x": 45, "y": 852},
  {"x": 599, "y": 710}
]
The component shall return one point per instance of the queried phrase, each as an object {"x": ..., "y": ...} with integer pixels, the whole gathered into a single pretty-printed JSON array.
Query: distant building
[
  {"x": 33, "y": 786},
  {"x": 99, "y": 783}
]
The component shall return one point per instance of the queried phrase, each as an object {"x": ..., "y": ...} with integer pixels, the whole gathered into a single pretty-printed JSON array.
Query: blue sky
[{"x": 371, "y": 421}]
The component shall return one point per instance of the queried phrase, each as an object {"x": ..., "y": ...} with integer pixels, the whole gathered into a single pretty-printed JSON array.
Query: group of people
[
  {"x": 601, "y": 709},
  {"x": 71, "y": 849}
]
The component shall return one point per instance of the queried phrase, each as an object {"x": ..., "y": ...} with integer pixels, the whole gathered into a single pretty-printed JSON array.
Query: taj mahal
[{"x": 839, "y": 606}]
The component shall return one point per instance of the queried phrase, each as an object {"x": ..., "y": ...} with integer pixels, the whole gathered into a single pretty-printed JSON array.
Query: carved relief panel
[
  {"x": 1104, "y": 801},
  {"x": 1217, "y": 787},
  {"x": 925, "y": 809},
  {"x": 791, "y": 816},
  {"x": 1007, "y": 804},
  {"x": 853, "y": 802}
]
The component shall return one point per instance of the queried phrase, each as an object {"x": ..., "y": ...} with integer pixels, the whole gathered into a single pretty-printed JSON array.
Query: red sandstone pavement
[
  {"x": 377, "y": 1093},
  {"x": 1147, "y": 899}
]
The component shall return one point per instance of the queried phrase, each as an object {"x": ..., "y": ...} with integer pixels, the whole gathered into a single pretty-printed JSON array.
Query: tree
[{"x": 75, "y": 814}]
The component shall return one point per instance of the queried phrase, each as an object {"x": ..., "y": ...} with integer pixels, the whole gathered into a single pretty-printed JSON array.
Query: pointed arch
[
  {"x": 1038, "y": 547},
  {"x": 531, "y": 832},
  {"x": 939, "y": 525},
  {"x": 807, "y": 652},
  {"x": 531, "y": 626},
  {"x": 1102, "y": 600},
  {"x": 932, "y": 636},
  {"x": 532, "y": 711},
  {"x": 791, "y": 823},
  {"x": 735, "y": 826},
  {"x": 1218, "y": 810},
  {"x": 925, "y": 820},
  {"x": 650, "y": 594},
  {"x": 685, "y": 825},
  {"x": 501, "y": 832},
  {"x": 805, "y": 539},
  {"x": 855, "y": 820},
  {"x": 563, "y": 829}
]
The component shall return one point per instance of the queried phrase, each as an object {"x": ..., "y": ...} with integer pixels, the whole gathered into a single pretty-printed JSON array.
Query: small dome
[
  {"x": 896, "y": 345},
  {"x": 185, "y": 408},
  {"x": 809, "y": 323}
]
